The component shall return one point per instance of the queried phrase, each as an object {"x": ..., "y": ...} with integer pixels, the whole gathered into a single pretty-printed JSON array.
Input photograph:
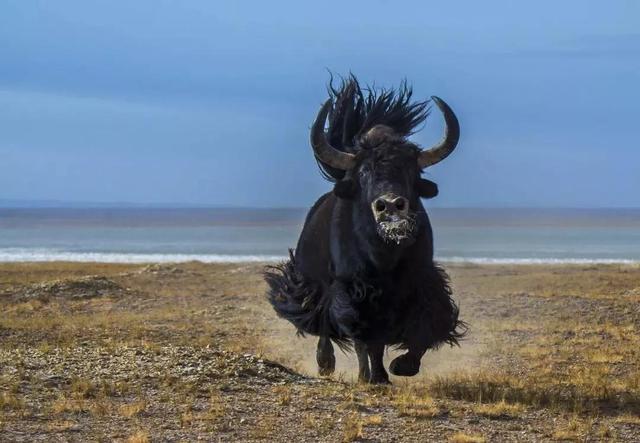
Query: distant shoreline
[
  {"x": 101, "y": 257},
  {"x": 156, "y": 235}
]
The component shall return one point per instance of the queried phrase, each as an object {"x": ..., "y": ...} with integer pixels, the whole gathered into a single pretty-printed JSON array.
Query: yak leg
[
  {"x": 364, "y": 374},
  {"x": 378, "y": 373},
  {"x": 408, "y": 364},
  {"x": 325, "y": 357}
]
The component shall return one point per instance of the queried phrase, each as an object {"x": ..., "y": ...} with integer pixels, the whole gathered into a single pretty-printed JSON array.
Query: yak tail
[{"x": 301, "y": 301}]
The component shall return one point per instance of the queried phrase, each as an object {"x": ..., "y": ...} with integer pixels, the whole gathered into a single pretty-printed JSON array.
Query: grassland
[{"x": 192, "y": 351}]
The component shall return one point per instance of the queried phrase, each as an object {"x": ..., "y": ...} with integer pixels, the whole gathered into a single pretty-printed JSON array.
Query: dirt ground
[{"x": 104, "y": 352}]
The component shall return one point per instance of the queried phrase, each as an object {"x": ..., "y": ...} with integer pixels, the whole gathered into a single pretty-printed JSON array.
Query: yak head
[{"x": 382, "y": 173}]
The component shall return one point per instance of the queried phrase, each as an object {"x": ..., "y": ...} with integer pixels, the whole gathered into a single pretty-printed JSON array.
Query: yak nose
[{"x": 390, "y": 204}]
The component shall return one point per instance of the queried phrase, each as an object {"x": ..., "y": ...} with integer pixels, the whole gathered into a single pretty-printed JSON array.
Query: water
[{"x": 234, "y": 235}]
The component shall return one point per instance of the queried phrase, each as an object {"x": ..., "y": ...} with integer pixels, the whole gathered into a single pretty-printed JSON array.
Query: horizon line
[{"x": 64, "y": 204}]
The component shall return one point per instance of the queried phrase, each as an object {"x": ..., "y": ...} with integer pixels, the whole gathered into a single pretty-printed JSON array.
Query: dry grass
[
  {"x": 64, "y": 405},
  {"x": 572, "y": 430},
  {"x": 60, "y": 426},
  {"x": 461, "y": 437},
  {"x": 499, "y": 410},
  {"x": 186, "y": 418},
  {"x": 83, "y": 388},
  {"x": 416, "y": 405},
  {"x": 583, "y": 388},
  {"x": 545, "y": 342},
  {"x": 628, "y": 419},
  {"x": 134, "y": 409},
  {"x": 373, "y": 420},
  {"x": 352, "y": 428},
  {"x": 139, "y": 436},
  {"x": 283, "y": 395},
  {"x": 10, "y": 401},
  {"x": 216, "y": 408}
]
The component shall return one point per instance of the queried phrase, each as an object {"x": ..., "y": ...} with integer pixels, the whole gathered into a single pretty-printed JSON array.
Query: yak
[{"x": 362, "y": 274}]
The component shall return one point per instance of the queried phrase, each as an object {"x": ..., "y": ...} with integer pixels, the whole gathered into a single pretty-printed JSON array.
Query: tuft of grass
[
  {"x": 101, "y": 408},
  {"x": 498, "y": 410},
  {"x": 283, "y": 395},
  {"x": 585, "y": 388},
  {"x": 69, "y": 405},
  {"x": 373, "y": 420},
  {"x": 186, "y": 418},
  {"x": 603, "y": 356},
  {"x": 133, "y": 409},
  {"x": 352, "y": 429},
  {"x": 605, "y": 433},
  {"x": 60, "y": 426},
  {"x": 574, "y": 429},
  {"x": 321, "y": 425},
  {"x": 82, "y": 388},
  {"x": 461, "y": 437},
  {"x": 9, "y": 401},
  {"x": 265, "y": 429},
  {"x": 216, "y": 408},
  {"x": 629, "y": 419},
  {"x": 410, "y": 403},
  {"x": 139, "y": 436}
]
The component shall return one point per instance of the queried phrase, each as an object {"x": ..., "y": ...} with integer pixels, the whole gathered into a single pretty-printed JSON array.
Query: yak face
[
  {"x": 381, "y": 170},
  {"x": 386, "y": 175}
]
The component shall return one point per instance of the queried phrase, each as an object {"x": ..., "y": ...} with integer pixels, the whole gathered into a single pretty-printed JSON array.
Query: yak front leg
[
  {"x": 408, "y": 364},
  {"x": 325, "y": 357},
  {"x": 378, "y": 373},
  {"x": 364, "y": 373}
]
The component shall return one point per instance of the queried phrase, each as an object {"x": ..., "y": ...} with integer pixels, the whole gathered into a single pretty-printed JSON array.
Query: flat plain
[{"x": 181, "y": 352}]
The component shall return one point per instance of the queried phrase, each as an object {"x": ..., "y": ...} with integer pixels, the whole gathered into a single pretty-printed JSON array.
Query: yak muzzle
[{"x": 393, "y": 219}]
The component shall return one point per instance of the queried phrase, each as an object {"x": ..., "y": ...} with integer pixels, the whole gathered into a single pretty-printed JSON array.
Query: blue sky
[{"x": 204, "y": 102}]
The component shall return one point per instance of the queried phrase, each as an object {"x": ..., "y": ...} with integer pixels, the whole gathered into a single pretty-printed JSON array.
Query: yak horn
[
  {"x": 321, "y": 147},
  {"x": 440, "y": 151}
]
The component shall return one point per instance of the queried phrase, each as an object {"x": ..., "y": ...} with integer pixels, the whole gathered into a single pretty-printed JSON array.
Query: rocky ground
[{"x": 98, "y": 352}]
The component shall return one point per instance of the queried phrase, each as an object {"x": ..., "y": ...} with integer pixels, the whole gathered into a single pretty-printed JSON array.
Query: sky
[{"x": 210, "y": 103}]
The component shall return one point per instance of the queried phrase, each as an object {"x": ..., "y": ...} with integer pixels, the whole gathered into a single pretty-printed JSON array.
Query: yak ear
[
  {"x": 345, "y": 188},
  {"x": 426, "y": 188}
]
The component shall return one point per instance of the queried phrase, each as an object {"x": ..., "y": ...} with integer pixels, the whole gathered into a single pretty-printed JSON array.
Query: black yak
[{"x": 362, "y": 274}]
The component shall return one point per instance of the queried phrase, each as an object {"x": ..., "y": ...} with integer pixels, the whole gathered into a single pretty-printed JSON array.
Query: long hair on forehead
[{"x": 357, "y": 109}]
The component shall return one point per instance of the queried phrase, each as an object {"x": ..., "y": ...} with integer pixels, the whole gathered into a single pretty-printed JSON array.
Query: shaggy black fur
[
  {"x": 357, "y": 109},
  {"x": 360, "y": 309}
]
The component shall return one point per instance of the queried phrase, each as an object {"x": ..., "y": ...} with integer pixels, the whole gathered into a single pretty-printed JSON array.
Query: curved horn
[
  {"x": 440, "y": 151},
  {"x": 321, "y": 147}
]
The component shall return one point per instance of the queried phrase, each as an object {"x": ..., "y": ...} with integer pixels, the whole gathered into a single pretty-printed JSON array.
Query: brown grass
[
  {"x": 139, "y": 437},
  {"x": 545, "y": 342},
  {"x": 498, "y": 410},
  {"x": 410, "y": 403},
  {"x": 629, "y": 419},
  {"x": 352, "y": 428},
  {"x": 10, "y": 401},
  {"x": 461, "y": 437},
  {"x": 134, "y": 409},
  {"x": 283, "y": 395},
  {"x": 63, "y": 405}
]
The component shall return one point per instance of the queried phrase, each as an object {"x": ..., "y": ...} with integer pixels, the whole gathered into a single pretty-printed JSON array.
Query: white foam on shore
[
  {"x": 47, "y": 255},
  {"x": 44, "y": 255},
  {"x": 536, "y": 261}
]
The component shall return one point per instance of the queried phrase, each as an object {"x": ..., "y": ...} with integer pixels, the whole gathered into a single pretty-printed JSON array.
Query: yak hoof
[
  {"x": 382, "y": 379},
  {"x": 405, "y": 365},
  {"x": 326, "y": 364}
]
